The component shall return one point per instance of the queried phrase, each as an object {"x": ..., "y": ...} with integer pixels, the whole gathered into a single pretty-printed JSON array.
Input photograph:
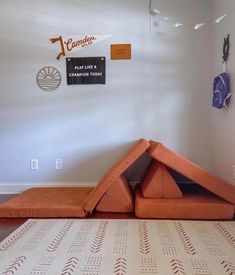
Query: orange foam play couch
[{"x": 158, "y": 196}]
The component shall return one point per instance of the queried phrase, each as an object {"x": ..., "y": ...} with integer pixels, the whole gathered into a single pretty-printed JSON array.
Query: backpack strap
[
  {"x": 225, "y": 105},
  {"x": 221, "y": 78}
]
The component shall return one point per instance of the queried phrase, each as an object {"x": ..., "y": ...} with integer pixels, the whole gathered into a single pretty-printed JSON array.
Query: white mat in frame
[{"x": 119, "y": 247}]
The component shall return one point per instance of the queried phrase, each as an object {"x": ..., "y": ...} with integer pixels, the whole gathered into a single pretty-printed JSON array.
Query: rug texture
[{"x": 119, "y": 247}]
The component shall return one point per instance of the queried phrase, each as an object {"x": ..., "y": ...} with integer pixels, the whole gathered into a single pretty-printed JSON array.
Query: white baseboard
[{"x": 17, "y": 187}]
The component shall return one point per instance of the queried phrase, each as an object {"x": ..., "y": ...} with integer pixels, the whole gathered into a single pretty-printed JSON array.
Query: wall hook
[{"x": 226, "y": 49}]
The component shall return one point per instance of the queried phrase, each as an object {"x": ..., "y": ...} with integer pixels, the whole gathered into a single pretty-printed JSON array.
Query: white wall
[
  {"x": 163, "y": 93},
  {"x": 223, "y": 121}
]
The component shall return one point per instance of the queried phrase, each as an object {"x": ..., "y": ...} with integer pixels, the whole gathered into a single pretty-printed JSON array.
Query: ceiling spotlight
[
  {"x": 166, "y": 18},
  {"x": 199, "y": 26},
  {"x": 156, "y": 11},
  {"x": 177, "y": 25},
  {"x": 219, "y": 19}
]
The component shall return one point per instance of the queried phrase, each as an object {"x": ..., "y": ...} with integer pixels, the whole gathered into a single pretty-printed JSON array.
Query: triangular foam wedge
[
  {"x": 118, "y": 198},
  {"x": 158, "y": 183}
]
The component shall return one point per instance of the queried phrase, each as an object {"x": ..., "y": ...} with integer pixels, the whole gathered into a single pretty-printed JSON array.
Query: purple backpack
[{"x": 221, "y": 91}]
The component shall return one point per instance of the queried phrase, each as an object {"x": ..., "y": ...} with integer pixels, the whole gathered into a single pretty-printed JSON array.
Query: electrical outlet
[
  {"x": 58, "y": 164},
  {"x": 233, "y": 172},
  {"x": 34, "y": 164}
]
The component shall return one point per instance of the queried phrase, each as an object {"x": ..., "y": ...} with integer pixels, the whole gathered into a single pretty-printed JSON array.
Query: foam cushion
[
  {"x": 195, "y": 204},
  {"x": 192, "y": 171},
  {"x": 114, "y": 173},
  {"x": 118, "y": 198},
  {"x": 47, "y": 202},
  {"x": 158, "y": 183}
]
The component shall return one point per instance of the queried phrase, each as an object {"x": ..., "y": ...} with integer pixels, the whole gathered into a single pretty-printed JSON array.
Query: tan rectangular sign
[{"x": 120, "y": 51}]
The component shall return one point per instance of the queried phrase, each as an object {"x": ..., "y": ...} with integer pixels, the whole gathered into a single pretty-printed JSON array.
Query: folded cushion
[
  {"x": 47, "y": 202},
  {"x": 114, "y": 173},
  {"x": 192, "y": 171},
  {"x": 195, "y": 204},
  {"x": 158, "y": 183}
]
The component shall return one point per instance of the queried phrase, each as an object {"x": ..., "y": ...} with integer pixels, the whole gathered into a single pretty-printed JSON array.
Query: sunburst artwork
[{"x": 48, "y": 79}]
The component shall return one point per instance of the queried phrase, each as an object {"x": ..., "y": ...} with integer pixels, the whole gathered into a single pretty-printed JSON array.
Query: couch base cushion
[
  {"x": 47, "y": 202},
  {"x": 195, "y": 204}
]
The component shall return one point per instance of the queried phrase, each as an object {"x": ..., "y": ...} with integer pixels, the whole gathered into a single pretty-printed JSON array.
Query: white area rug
[{"x": 106, "y": 247}]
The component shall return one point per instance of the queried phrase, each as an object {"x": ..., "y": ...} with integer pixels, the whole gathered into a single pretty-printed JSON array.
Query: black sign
[{"x": 85, "y": 70}]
